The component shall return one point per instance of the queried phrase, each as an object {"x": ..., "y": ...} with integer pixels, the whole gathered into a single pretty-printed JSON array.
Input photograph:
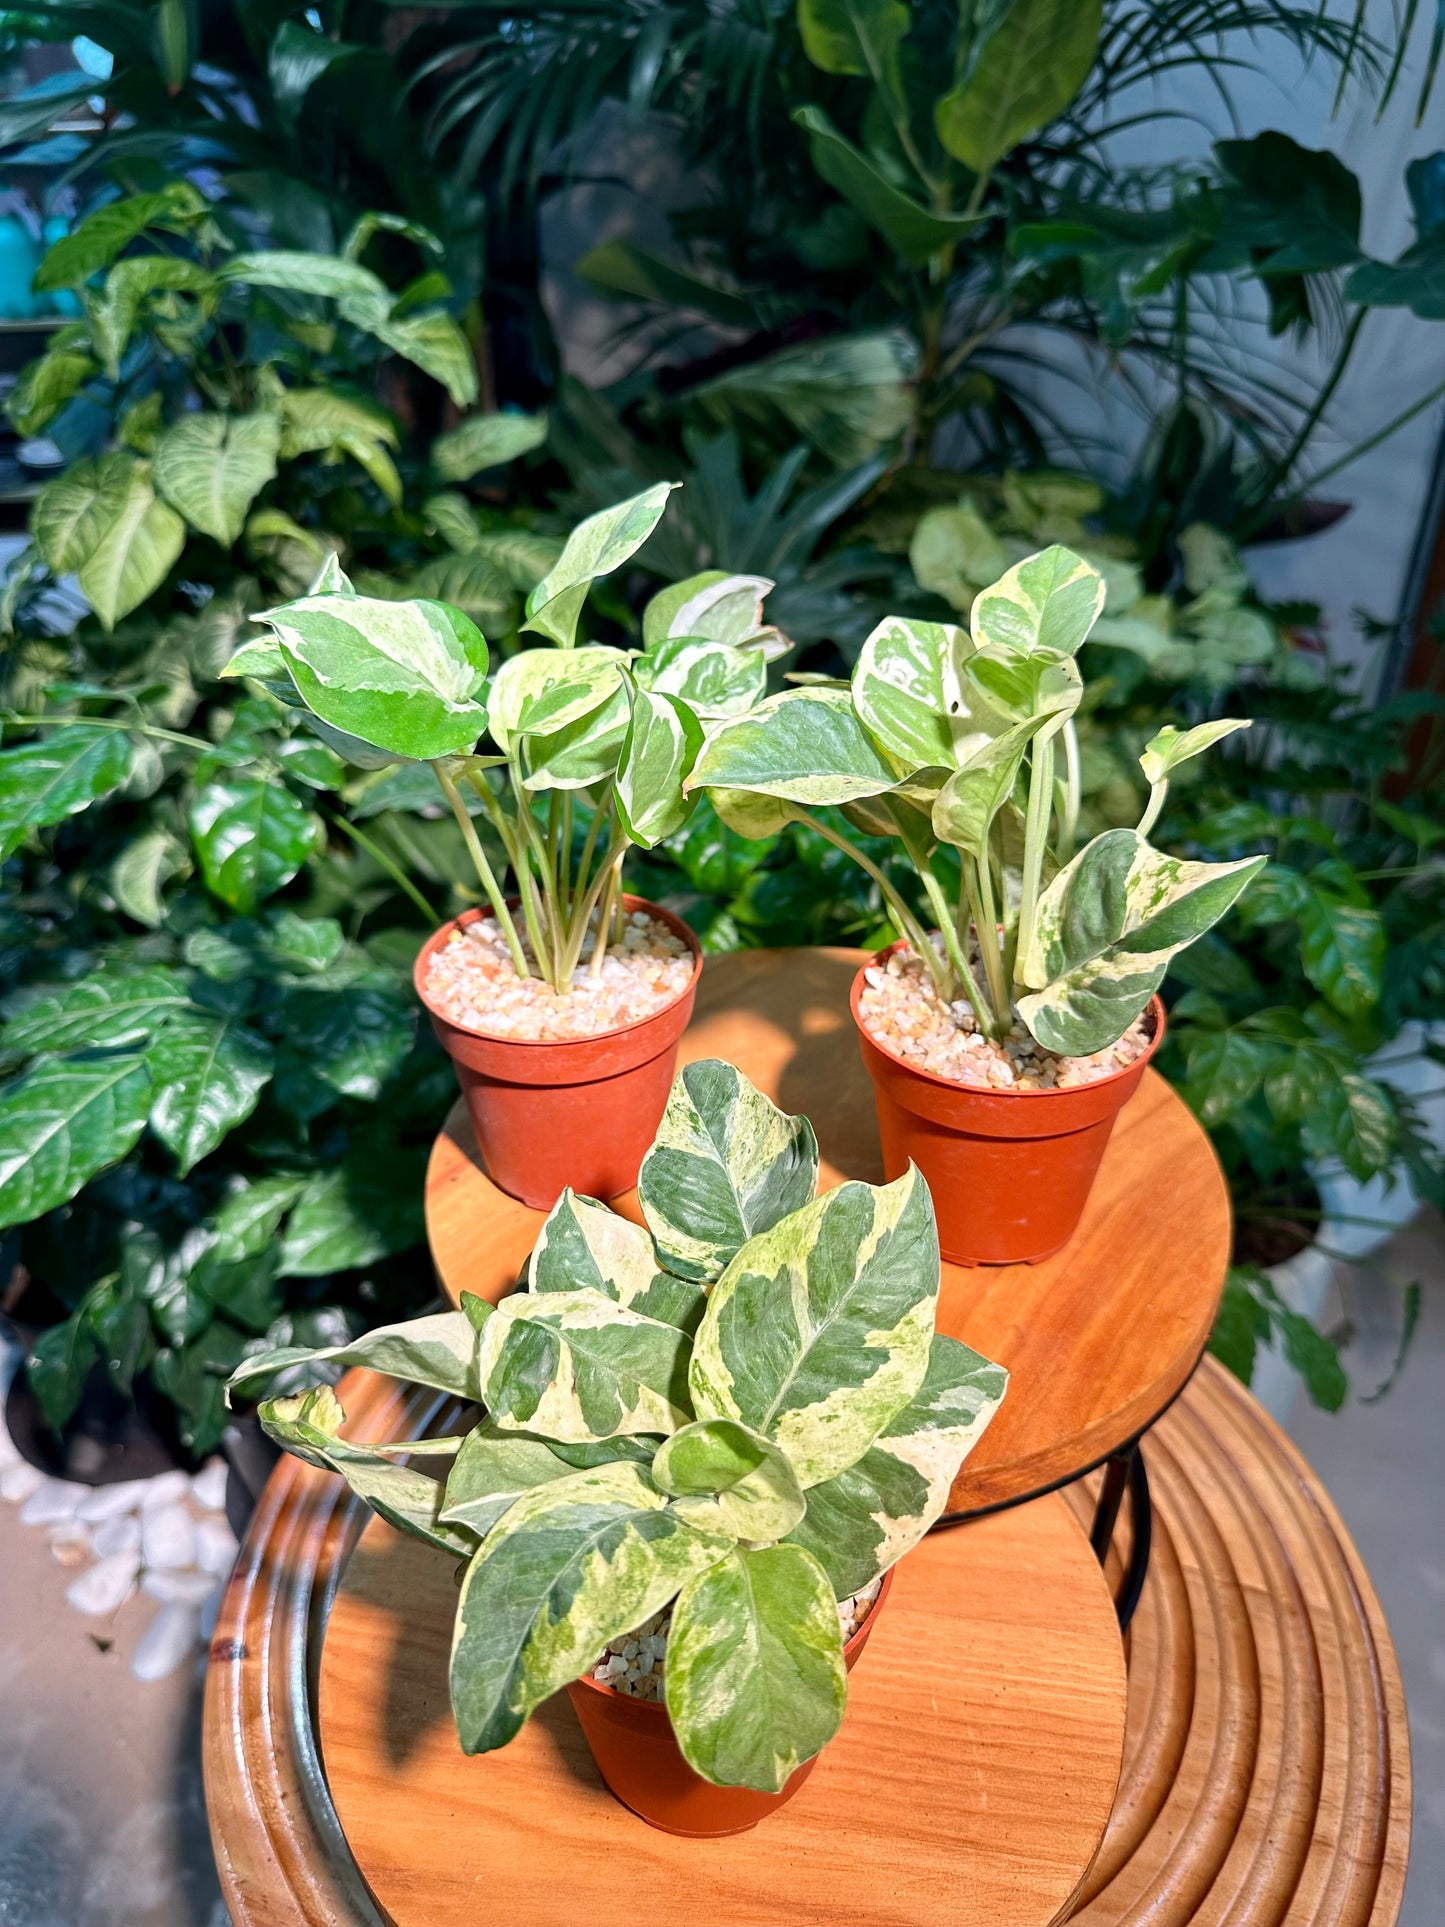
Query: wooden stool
[
  {"x": 979, "y": 1755},
  {"x": 1099, "y": 1338},
  {"x": 1266, "y": 1778}
]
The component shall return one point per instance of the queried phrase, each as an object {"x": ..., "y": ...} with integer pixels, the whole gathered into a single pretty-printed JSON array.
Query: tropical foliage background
[{"x": 300, "y": 307}]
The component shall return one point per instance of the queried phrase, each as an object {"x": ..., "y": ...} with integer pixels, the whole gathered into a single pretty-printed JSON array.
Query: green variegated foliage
[
  {"x": 961, "y": 744},
  {"x": 751, "y": 1419},
  {"x": 597, "y": 742}
]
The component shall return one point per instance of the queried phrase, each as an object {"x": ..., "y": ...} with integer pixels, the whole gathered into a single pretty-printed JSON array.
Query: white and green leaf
[
  {"x": 439, "y": 1349},
  {"x": 542, "y": 691},
  {"x": 585, "y": 1247},
  {"x": 725, "y": 1478},
  {"x": 807, "y": 746},
  {"x": 726, "y": 1164},
  {"x": 1049, "y": 601},
  {"x": 657, "y": 756},
  {"x": 491, "y": 1472},
  {"x": 595, "y": 548},
  {"x": 1170, "y": 747},
  {"x": 579, "y": 1366},
  {"x": 818, "y": 1332}
]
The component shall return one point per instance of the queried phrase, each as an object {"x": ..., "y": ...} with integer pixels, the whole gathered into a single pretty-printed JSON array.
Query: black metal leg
[{"x": 1125, "y": 1470}]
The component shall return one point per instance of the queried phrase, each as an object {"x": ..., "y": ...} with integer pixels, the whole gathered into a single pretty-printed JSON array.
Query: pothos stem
[{"x": 484, "y": 870}]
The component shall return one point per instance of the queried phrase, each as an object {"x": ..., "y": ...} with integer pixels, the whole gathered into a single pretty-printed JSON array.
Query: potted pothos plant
[
  {"x": 560, "y": 1002},
  {"x": 1003, "y": 1044},
  {"x": 657, "y": 1511}
]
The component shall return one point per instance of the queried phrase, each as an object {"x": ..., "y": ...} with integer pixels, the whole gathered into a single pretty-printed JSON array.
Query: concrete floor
[{"x": 102, "y": 1818}]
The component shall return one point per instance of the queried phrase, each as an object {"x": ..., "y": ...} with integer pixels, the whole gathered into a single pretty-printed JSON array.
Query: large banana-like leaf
[
  {"x": 404, "y": 677},
  {"x": 806, "y": 745},
  {"x": 863, "y": 1520},
  {"x": 309, "y": 1424},
  {"x": 585, "y": 1247},
  {"x": 818, "y": 1331},
  {"x": 1048, "y": 601},
  {"x": 578, "y": 1366},
  {"x": 1105, "y": 930},
  {"x": 438, "y": 1350},
  {"x": 595, "y": 548},
  {"x": 726, "y": 1478},
  {"x": 726, "y": 1163},
  {"x": 571, "y": 1565},
  {"x": 755, "y": 1677}
]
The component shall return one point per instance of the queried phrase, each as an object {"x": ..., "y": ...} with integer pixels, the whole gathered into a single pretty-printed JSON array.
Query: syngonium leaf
[
  {"x": 726, "y": 1163},
  {"x": 212, "y": 467},
  {"x": 115, "y": 310},
  {"x": 308, "y": 1424},
  {"x": 572, "y": 1564},
  {"x": 806, "y": 746},
  {"x": 657, "y": 756},
  {"x": 1030, "y": 68},
  {"x": 134, "y": 539},
  {"x": 72, "y": 512},
  {"x": 251, "y": 837},
  {"x": 44, "y": 388},
  {"x": 862, "y": 1521},
  {"x": 595, "y": 548},
  {"x": 56, "y": 776},
  {"x": 1049, "y": 601},
  {"x": 485, "y": 441},
  {"x": 728, "y": 1479},
  {"x": 818, "y": 1331},
  {"x": 585, "y": 1247},
  {"x": 439, "y": 1350},
  {"x": 93, "y": 243},
  {"x": 1170, "y": 747},
  {"x": 756, "y": 1682},
  {"x": 1105, "y": 930},
  {"x": 404, "y": 677},
  {"x": 580, "y": 1366},
  {"x": 62, "y": 1122},
  {"x": 912, "y": 229}
]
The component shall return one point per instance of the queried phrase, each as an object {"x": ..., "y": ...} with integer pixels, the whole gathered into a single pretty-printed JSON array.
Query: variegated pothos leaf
[
  {"x": 818, "y": 1331},
  {"x": 573, "y": 1563},
  {"x": 807, "y": 746},
  {"x": 863, "y": 1520},
  {"x": 726, "y": 1478},
  {"x": 585, "y": 1247},
  {"x": 439, "y": 1350},
  {"x": 1049, "y": 601},
  {"x": 1105, "y": 930},
  {"x": 578, "y": 1366},
  {"x": 726, "y": 1163}
]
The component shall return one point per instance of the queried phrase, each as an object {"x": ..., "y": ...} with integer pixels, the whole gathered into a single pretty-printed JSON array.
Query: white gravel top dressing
[
  {"x": 634, "y": 1663},
  {"x": 471, "y": 982},
  {"x": 906, "y": 1015}
]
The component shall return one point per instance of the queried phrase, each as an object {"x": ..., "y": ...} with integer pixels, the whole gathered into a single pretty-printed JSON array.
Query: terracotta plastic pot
[
  {"x": 636, "y": 1754},
  {"x": 1010, "y": 1171},
  {"x": 581, "y": 1111}
]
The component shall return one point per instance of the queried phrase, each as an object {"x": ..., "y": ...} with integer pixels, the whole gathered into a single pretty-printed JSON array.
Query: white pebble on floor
[
  {"x": 178, "y": 1588},
  {"x": 109, "y": 1501},
  {"x": 169, "y": 1639},
  {"x": 209, "y": 1485},
  {"x": 104, "y": 1587},
  {"x": 215, "y": 1547},
  {"x": 51, "y": 1501},
  {"x": 17, "y": 1482},
  {"x": 117, "y": 1535},
  {"x": 168, "y": 1536},
  {"x": 168, "y": 1488}
]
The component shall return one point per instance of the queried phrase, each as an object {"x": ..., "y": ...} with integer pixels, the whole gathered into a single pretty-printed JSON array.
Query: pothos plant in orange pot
[
  {"x": 560, "y": 998},
  {"x": 690, "y": 1530},
  {"x": 1003, "y": 1043}
]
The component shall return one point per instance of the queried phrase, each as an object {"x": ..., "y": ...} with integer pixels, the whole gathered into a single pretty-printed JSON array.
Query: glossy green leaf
[
  {"x": 73, "y": 512},
  {"x": 345, "y": 1042},
  {"x": 1049, "y": 601},
  {"x": 63, "y": 1122},
  {"x": 1170, "y": 747},
  {"x": 595, "y": 548},
  {"x": 585, "y": 1247},
  {"x": 57, "y": 775},
  {"x": 485, "y": 441},
  {"x": 251, "y": 836},
  {"x": 579, "y": 1366},
  {"x": 726, "y": 1164},
  {"x": 212, "y": 467},
  {"x": 308, "y": 1424},
  {"x": 324, "y": 275},
  {"x": 859, "y": 37},
  {"x": 728, "y": 1479},
  {"x": 818, "y": 1332},
  {"x": 906, "y": 224},
  {"x": 1105, "y": 930},
  {"x": 1032, "y": 65},
  {"x": 807, "y": 746},
  {"x": 571, "y": 1565},
  {"x": 755, "y": 1677},
  {"x": 98, "y": 1011},
  {"x": 115, "y": 312},
  {"x": 43, "y": 388},
  {"x": 658, "y": 753},
  {"x": 363, "y": 1209},
  {"x": 1343, "y": 950},
  {"x": 863, "y": 1520},
  {"x": 439, "y": 1349},
  {"x": 103, "y": 235},
  {"x": 208, "y": 1071},
  {"x": 432, "y": 341},
  {"x": 404, "y": 677}
]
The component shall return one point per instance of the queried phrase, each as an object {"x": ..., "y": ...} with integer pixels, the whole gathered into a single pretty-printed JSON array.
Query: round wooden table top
[
  {"x": 1098, "y": 1339},
  {"x": 979, "y": 1755}
]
